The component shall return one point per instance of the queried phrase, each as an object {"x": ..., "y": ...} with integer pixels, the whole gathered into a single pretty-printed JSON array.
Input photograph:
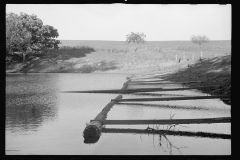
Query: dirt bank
[
  {"x": 213, "y": 71},
  {"x": 141, "y": 61}
]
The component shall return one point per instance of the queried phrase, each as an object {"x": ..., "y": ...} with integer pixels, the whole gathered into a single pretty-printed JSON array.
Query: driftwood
[
  {"x": 174, "y": 98},
  {"x": 138, "y": 90},
  {"x": 168, "y": 121},
  {"x": 168, "y": 132},
  {"x": 95, "y": 126},
  {"x": 162, "y": 82},
  {"x": 149, "y": 83},
  {"x": 93, "y": 131},
  {"x": 125, "y": 85},
  {"x": 152, "y": 77}
]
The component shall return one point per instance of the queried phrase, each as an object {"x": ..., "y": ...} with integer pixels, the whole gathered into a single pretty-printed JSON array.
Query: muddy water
[{"x": 42, "y": 121}]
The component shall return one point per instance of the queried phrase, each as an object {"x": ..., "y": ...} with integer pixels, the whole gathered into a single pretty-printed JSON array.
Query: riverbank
[{"x": 213, "y": 69}]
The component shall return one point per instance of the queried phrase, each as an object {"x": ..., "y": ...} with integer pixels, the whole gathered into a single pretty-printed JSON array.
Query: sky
[{"x": 114, "y": 21}]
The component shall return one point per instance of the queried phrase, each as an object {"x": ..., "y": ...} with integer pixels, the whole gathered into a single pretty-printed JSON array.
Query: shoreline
[{"x": 211, "y": 70}]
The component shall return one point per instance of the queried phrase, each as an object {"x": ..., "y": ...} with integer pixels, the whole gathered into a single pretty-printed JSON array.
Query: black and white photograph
[{"x": 118, "y": 79}]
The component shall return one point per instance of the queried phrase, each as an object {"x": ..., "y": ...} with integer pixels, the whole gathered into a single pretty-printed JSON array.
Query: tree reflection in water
[{"x": 24, "y": 115}]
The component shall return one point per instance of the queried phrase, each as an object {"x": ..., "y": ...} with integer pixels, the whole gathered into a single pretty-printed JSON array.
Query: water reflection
[
  {"x": 41, "y": 121},
  {"x": 163, "y": 141},
  {"x": 28, "y": 116},
  {"x": 30, "y": 102}
]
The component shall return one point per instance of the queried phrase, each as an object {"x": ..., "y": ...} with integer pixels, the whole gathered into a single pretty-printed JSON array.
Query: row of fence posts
[
  {"x": 193, "y": 56},
  {"x": 157, "y": 48}
]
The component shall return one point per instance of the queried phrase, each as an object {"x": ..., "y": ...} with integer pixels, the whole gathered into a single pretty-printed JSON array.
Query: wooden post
[
  {"x": 95, "y": 127},
  {"x": 156, "y": 83},
  {"x": 167, "y": 132},
  {"x": 174, "y": 98},
  {"x": 139, "y": 90},
  {"x": 169, "y": 121},
  {"x": 24, "y": 56},
  {"x": 125, "y": 84},
  {"x": 165, "y": 82},
  {"x": 93, "y": 130}
]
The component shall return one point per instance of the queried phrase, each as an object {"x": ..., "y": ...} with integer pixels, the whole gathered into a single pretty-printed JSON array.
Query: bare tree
[
  {"x": 199, "y": 40},
  {"x": 135, "y": 38}
]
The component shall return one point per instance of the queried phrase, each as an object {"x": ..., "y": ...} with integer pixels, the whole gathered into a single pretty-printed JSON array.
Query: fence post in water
[{"x": 126, "y": 84}]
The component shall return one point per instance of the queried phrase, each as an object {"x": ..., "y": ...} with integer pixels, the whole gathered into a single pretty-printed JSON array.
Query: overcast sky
[{"x": 114, "y": 21}]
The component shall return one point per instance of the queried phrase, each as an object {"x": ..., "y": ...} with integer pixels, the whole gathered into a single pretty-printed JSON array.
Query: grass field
[
  {"x": 151, "y": 45},
  {"x": 210, "y": 64},
  {"x": 116, "y": 56}
]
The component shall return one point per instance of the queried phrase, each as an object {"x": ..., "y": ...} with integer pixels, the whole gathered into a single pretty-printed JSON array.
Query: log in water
[
  {"x": 95, "y": 126},
  {"x": 138, "y": 90},
  {"x": 93, "y": 131},
  {"x": 168, "y": 132},
  {"x": 174, "y": 98},
  {"x": 164, "y": 82},
  {"x": 169, "y": 121}
]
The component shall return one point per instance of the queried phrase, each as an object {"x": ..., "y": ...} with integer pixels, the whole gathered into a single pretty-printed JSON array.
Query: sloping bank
[
  {"x": 214, "y": 71},
  {"x": 50, "y": 65}
]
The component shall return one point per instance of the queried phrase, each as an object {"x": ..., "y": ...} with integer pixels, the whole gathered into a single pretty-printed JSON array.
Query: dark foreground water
[{"x": 42, "y": 121}]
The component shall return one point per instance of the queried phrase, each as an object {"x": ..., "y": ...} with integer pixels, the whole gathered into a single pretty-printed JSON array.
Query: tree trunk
[{"x": 24, "y": 56}]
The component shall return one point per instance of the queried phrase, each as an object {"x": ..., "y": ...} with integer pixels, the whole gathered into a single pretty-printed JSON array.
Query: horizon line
[{"x": 124, "y": 41}]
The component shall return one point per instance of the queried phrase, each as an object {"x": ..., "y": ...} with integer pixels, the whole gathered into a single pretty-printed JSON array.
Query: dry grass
[{"x": 116, "y": 57}]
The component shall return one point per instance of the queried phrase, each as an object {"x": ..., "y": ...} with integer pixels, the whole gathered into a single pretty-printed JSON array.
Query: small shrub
[{"x": 61, "y": 67}]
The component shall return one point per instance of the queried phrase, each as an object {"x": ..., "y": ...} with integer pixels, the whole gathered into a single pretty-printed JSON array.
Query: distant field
[
  {"x": 115, "y": 56},
  {"x": 149, "y": 44}
]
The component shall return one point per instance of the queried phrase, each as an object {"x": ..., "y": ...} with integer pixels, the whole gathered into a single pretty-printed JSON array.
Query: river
[{"x": 40, "y": 120}]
